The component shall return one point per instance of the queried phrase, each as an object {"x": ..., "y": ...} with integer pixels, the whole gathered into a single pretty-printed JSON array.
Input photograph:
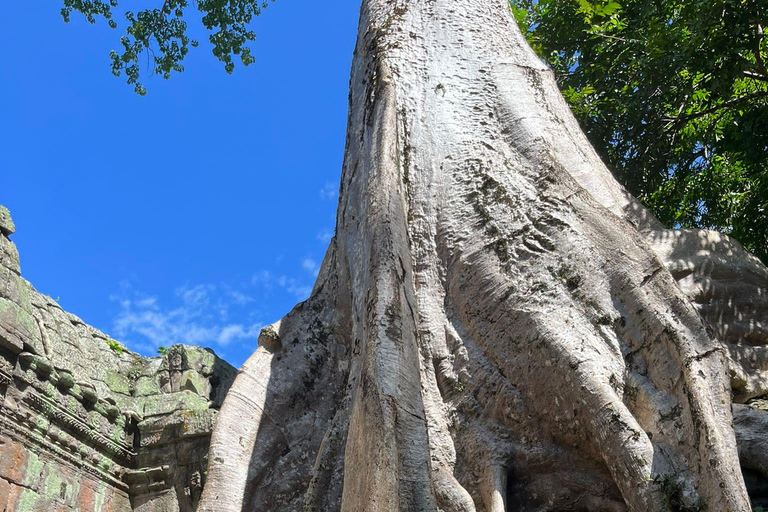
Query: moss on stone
[
  {"x": 98, "y": 498},
  {"x": 52, "y": 488},
  {"x": 164, "y": 404},
  {"x": 34, "y": 469},
  {"x": 117, "y": 383},
  {"x": 27, "y": 501},
  {"x": 42, "y": 424},
  {"x": 146, "y": 386}
]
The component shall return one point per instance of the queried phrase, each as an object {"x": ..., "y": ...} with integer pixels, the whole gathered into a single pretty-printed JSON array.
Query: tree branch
[
  {"x": 726, "y": 104},
  {"x": 756, "y": 76}
]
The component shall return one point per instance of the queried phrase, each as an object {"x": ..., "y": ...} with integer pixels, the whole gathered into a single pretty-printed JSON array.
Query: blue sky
[{"x": 196, "y": 214}]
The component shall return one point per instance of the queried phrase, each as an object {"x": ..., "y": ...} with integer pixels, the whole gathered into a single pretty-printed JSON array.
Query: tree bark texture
[{"x": 493, "y": 327}]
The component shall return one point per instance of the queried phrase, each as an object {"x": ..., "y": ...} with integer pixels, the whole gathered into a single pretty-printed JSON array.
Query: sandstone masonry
[{"x": 85, "y": 424}]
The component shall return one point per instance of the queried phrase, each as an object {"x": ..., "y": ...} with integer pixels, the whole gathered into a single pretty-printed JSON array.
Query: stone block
[
  {"x": 5, "y": 491},
  {"x": 146, "y": 386},
  {"x": 192, "y": 381},
  {"x": 9, "y": 255},
  {"x": 15, "y": 288},
  {"x": 166, "y": 404},
  {"x": 13, "y": 461},
  {"x": 17, "y": 327},
  {"x": 7, "y": 227}
]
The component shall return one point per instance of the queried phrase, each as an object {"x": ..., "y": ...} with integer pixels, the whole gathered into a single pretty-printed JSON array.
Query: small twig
[
  {"x": 670, "y": 122},
  {"x": 758, "y": 54},
  {"x": 617, "y": 38}
]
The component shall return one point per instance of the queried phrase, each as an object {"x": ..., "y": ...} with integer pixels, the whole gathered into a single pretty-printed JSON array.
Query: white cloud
[
  {"x": 204, "y": 314},
  {"x": 298, "y": 287},
  {"x": 146, "y": 324},
  {"x": 329, "y": 191},
  {"x": 234, "y": 332},
  {"x": 263, "y": 278},
  {"x": 301, "y": 292},
  {"x": 148, "y": 302},
  {"x": 195, "y": 297},
  {"x": 310, "y": 266},
  {"x": 240, "y": 298},
  {"x": 325, "y": 236}
]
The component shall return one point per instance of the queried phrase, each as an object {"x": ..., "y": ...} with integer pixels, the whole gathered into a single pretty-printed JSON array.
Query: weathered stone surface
[
  {"x": 751, "y": 425},
  {"x": 9, "y": 255},
  {"x": 7, "y": 227},
  {"x": 79, "y": 420},
  {"x": 729, "y": 288},
  {"x": 17, "y": 327}
]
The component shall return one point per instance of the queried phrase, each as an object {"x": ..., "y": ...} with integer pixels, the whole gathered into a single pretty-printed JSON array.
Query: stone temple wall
[{"x": 85, "y": 424}]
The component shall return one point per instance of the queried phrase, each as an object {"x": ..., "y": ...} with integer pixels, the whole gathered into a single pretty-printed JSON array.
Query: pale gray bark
[{"x": 491, "y": 329}]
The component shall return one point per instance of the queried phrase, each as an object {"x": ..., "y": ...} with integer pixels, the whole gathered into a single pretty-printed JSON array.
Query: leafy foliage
[
  {"x": 162, "y": 34},
  {"x": 115, "y": 346},
  {"x": 674, "y": 95}
]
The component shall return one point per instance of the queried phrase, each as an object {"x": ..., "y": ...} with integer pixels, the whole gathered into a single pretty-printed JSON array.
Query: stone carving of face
[{"x": 176, "y": 361}]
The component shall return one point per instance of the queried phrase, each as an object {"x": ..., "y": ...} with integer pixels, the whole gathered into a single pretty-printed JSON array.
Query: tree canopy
[
  {"x": 161, "y": 33},
  {"x": 674, "y": 96}
]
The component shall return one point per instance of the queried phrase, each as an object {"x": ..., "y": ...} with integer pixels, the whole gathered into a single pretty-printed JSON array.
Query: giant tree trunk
[{"x": 490, "y": 329}]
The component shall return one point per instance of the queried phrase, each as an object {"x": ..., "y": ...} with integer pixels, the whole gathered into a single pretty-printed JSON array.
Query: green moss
[
  {"x": 117, "y": 383},
  {"x": 672, "y": 492},
  {"x": 199, "y": 358},
  {"x": 35, "y": 468},
  {"x": 182, "y": 401},
  {"x": 50, "y": 390},
  {"x": 98, "y": 499},
  {"x": 117, "y": 433},
  {"x": 72, "y": 405},
  {"x": 146, "y": 386},
  {"x": 54, "y": 487},
  {"x": 42, "y": 424},
  {"x": 194, "y": 382},
  {"x": 22, "y": 317},
  {"x": 28, "y": 501}
]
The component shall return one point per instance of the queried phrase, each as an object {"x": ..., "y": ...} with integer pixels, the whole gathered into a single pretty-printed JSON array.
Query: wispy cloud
[
  {"x": 235, "y": 332},
  {"x": 325, "y": 236},
  {"x": 220, "y": 316},
  {"x": 310, "y": 266},
  {"x": 145, "y": 323},
  {"x": 330, "y": 190},
  {"x": 240, "y": 298},
  {"x": 269, "y": 282}
]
